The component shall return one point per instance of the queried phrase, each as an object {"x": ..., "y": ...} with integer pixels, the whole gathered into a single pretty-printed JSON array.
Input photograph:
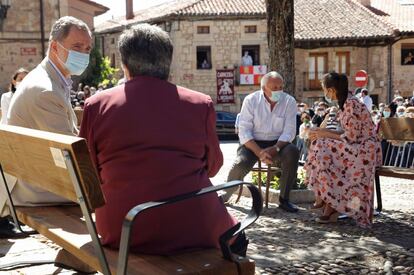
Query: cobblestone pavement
[{"x": 284, "y": 243}]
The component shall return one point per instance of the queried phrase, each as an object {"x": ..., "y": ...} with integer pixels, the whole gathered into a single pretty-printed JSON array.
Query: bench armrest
[{"x": 257, "y": 205}]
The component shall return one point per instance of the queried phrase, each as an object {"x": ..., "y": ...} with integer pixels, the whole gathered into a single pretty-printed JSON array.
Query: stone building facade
[
  {"x": 226, "y": 37},
  {"x": 21, "y": 43}
]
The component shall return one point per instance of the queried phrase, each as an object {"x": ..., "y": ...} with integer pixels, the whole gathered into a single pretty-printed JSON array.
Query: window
[
  {"x": 342, "y": 63},
  {"x": 250, "y": 55},
  {"x": 112, "y": 40},
  {"x": 250, "y": 29},
  {"x": 203, "y": 29},
  {"x": 407, "y": 54},
  {"x": 317, "y": 67},
  {"x": 113, "y": 60},
  {"x": 203, "y": 58}
]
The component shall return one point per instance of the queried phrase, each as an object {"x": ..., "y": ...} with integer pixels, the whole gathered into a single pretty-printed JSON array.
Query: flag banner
[
  {"x": 251, "y": 75},
  {"x": 225, "y": 86}
]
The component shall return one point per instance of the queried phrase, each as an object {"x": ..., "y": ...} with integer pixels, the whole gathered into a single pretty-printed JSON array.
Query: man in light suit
[{"x": 42, "y": 100}]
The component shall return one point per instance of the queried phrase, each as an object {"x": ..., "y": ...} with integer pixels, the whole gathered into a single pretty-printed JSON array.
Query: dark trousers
[{"x": 287, "y": 159}]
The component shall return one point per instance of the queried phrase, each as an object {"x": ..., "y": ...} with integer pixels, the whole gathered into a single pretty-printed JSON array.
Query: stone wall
[
  {"x": 372, "y": 59},
  {"x": 403, "y": 75},
  {"x": 108, "y": 47},
  {"x": 226, "y": 39},
  {"x": 20, "y": 39}
]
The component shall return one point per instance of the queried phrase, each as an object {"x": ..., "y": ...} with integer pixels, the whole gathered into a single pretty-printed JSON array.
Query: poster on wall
[
  {"x": 225, "y": 86},
  {"x": 252, "y": 75},
  {"x": 407, "y": 54}
]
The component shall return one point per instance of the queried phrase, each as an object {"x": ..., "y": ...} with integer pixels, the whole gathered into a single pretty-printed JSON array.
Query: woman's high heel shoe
[
  {"x": 332, "y": 218},
  {"x": 317, "y": 207}
]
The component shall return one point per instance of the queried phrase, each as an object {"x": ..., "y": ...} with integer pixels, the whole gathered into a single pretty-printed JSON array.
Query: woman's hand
[{"x": 315, "y": 134}]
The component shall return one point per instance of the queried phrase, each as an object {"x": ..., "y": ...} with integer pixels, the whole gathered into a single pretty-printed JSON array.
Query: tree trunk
[{"x": 280, "y": 37}]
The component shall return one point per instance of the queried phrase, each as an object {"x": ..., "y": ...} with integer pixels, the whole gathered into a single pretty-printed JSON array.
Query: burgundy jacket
[{"x": 151, "y": 140}]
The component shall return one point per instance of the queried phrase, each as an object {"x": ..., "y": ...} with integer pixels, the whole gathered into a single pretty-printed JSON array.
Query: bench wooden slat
[
  {"x": 64, "y": 226},
  {"x": 396, "y": 172},
  {"x": 30, "y": 155},
  {"x": 32, "y": 150}
]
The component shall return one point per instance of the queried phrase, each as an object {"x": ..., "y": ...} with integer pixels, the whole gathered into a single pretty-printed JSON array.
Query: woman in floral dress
[{"x": 341, "y": 164}]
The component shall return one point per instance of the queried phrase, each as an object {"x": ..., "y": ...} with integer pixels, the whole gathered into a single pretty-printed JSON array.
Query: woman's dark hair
[
  {"x": 339, "y": 82},
  {"x": 14, "y": 77},
  {"x": 305, "y": 116}
]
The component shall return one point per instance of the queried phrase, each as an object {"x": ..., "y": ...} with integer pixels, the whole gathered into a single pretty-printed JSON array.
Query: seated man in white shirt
[
  {"x": 366, "y": 99},
  {"x": 267, "y": 127}
]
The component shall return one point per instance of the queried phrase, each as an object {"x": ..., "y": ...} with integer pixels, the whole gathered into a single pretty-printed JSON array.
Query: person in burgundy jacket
[{"x": 151, "y": 140}]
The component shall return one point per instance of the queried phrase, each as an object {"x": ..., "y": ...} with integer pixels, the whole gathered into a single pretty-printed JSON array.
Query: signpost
[{"x": 361, "y": 78}]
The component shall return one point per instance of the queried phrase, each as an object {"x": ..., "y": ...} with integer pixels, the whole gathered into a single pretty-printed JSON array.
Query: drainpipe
[
  {"x": 42, "y": 29},
  {"x": 390, "y": 79}
]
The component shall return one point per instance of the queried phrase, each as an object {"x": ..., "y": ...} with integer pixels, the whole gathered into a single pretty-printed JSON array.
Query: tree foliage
[{"x": 99, "y": 71}]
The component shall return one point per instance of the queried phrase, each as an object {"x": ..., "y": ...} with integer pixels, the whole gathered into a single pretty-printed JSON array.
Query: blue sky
[{"x": 117, "y": 7}]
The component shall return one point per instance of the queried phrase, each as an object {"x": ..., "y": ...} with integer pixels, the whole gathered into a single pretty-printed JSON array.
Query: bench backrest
[
  {"x": 398, "y": 150},
  {"x": 401, "y": 129},
  {"x": 37, "y": 158},
  {"x": 79, "y": 115}
]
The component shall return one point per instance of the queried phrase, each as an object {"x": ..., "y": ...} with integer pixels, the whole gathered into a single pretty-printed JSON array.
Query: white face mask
[
  {"x": 301, "y": 109},
  {"x": 386, "y": 114},
  {"x": 17, "y": 84},
  {"x": 276, "y": 95}
]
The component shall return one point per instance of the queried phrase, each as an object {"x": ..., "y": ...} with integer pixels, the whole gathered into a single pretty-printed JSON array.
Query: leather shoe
[
  {"x": 288, "y": 207},
  {"x": 9, "y": 231},
  {"x": 66, "y": 260}
]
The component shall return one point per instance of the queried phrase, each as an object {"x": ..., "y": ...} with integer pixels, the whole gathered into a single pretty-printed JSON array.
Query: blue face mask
[
  {"x": 386, "y": 114},
  {"x": 77, "y": 62},
  {"x": 276, "y": 95}
]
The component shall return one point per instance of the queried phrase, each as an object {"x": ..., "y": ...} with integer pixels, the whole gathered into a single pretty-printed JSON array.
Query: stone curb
[{"x": 296, "y": 196}]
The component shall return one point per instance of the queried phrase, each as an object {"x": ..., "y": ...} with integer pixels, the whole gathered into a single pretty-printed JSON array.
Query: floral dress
[{"x": 341, "y": 172}]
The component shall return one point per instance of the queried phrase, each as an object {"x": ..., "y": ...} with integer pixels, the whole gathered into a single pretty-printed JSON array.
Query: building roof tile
[
  {"x": 314, "y": 20},
  {"x": 397, "y": 12}
]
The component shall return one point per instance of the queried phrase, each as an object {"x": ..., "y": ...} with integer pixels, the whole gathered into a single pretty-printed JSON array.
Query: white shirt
[
  {"x": 5, "y": 103},
  {"x": 257, "y": 122},
  {"x": 367, "y": 100},
  {"x": 247, "y": 60}
]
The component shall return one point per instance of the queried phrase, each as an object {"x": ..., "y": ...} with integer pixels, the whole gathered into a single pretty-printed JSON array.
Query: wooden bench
[
  {"x": 62, "y": 165},
  {"x": 398, "y": 152}
]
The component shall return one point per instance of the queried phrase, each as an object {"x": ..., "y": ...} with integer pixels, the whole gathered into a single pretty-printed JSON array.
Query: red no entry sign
[{"x": 361, "y": 78}]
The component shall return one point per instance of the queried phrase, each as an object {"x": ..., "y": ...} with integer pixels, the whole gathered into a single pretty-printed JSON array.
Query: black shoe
[
  {"x": 239, "y": 245},
  {"x": 287, "y": 206},
  {"x": 9, "y": 231}
]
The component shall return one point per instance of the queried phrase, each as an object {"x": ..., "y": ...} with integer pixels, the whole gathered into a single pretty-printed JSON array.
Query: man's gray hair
[
  {"x": 61, "y": 28},
  {"x": 272, "y": 74},
  {"x": 146, "y": 50}
]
